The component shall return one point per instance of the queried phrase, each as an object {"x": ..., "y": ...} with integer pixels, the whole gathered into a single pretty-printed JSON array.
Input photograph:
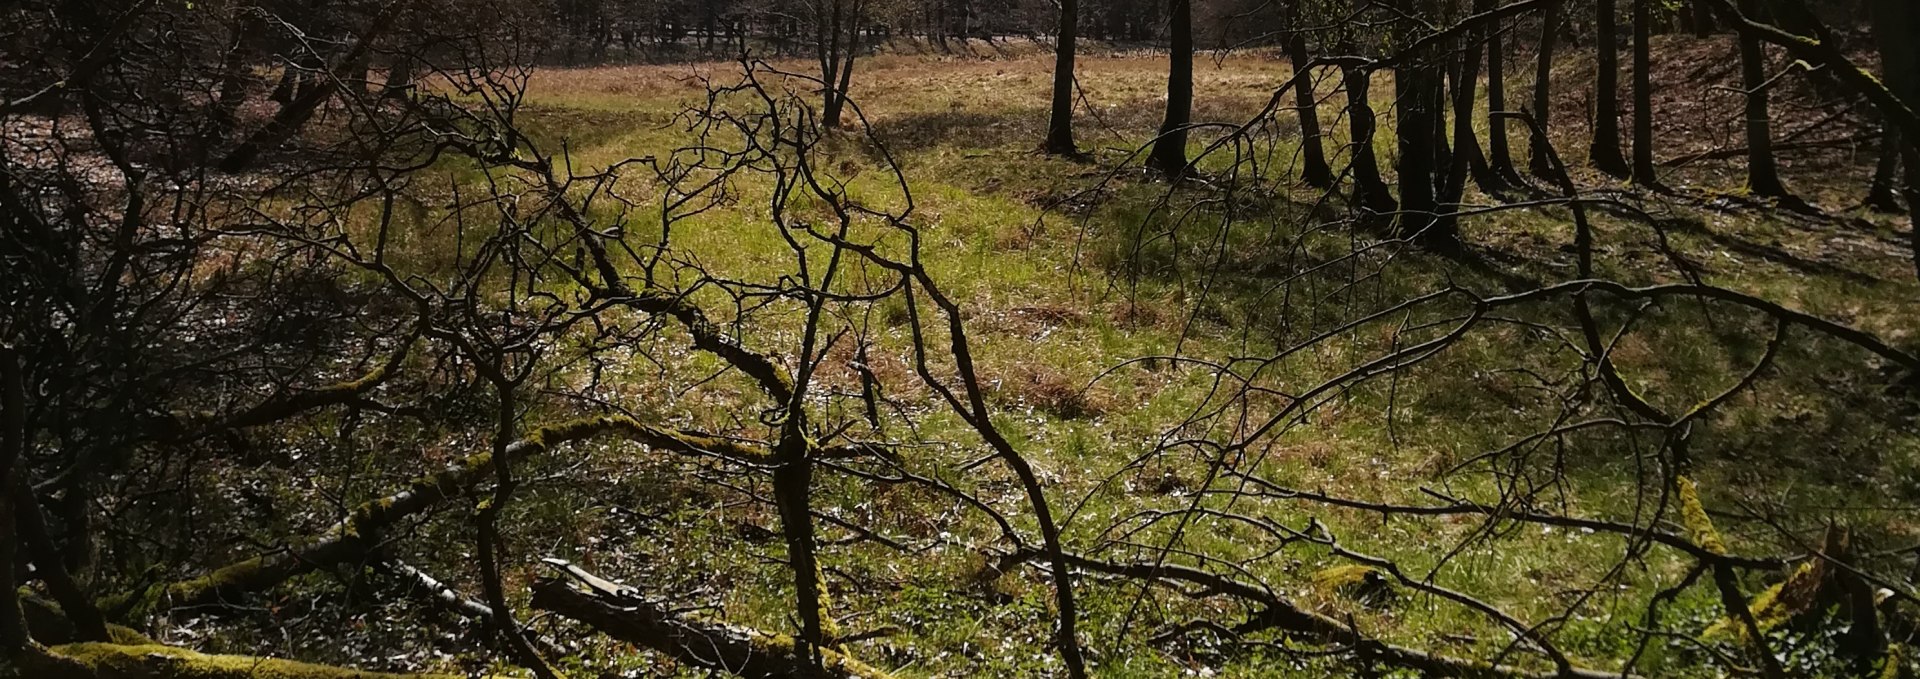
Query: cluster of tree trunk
[{"x": 1435, "y": 161}]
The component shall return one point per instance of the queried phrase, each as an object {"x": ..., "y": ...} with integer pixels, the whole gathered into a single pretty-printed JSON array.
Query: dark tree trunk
[
  {"x": 236, "y": 84},
  {"x": 1895, "y": 23},
  {"x": 1466, "y": 148},
  {"x": 1313, "y": 155},
  {"x": 1169, "y": 155},
  {"x": 13, "y": 439},
  {"x": 1499, "y": 157},
  {"x": 1702, "y": 18},
  {"x": 836, "y": 44},
  {"x": 846, "y": 75},
  {"x": 1884, "y": 194},
  {"x": 1643, "y": 168},
  {"x": 1416, "y": 105},
  {"x": 399, "y": 76},
  {"x": 1369, "y": 190},
  {"x": 1060, "y": 125},
  {"x": 1605, "y": 152},
  {"x": 1543, "y": 91},
  {"x": 1763, "y": 178},
  {"x": 283, "y": 91}
]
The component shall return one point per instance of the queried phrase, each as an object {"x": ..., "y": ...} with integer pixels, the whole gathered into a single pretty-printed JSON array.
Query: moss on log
[{"x": 93, "y": 660}]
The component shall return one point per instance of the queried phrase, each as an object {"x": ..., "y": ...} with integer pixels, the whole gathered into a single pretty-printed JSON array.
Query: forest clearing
[{"x": 458, "y": 357}]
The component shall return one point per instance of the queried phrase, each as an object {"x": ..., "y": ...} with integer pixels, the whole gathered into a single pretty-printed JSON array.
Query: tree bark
[
  {"x": 1499, "y": 155},
  {"x": 1543, "y": 91},
  {"x": 13, "y": 441},
  {"x": 1169, "y": 154},
  {"x": 1763, "y": 177},
  {"x": 1605, "y": 151},
  {"x": 1369, "y": 190},
  {"x": 1060, "y": 124},
  {"x": 1883, "y": 196},
  {"x": 79, "y": 608},
  {"x": 1643, "y": 167},
  {"x": 1466, "y": 147},
  {"x": 1895, "y": 25},
  {"x": 1416, "y": 105},
  {"x": 624, "y": 614},
  {"x": 1314, "y": 170}
]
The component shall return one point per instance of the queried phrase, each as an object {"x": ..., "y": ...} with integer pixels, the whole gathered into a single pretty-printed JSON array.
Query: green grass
[{"x": 1057, "y": 295}]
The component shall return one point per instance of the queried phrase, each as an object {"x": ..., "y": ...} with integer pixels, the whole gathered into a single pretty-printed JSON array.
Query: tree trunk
[
  {"x": 1763, "y": 178},
  {"x": 827, "y": 48},
  {"x": 1895, "y": 23},
  {"x": 1416, "y": 106},
  {"x": 399, "y": 76},
  {"x": 1543, "y": 91},
  {"x": 1060, "y": 125},
  {"x": 846, "y": 68},
  {"x": 13, "y": 441},
  {"x": 1466, "y": 148},
  {"x": 1313, "y": 156},
  {"x": 1702, "y": 18},
  {"x": 1643, "y": 167},
  {"x": 1499, "y": 157},
  {"x": 1605, "y": 152},
  {"x": 1369, "y": 190},
  {"x": 1169, "y": 154},
  {"x": 1884, "y": 195}
]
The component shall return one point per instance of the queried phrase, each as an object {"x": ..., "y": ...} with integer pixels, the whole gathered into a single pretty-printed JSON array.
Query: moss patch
[{"x": 154, "y": 661}]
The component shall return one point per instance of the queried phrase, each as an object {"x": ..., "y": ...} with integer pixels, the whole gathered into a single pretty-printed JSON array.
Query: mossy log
[
  {"x": 95, "y": 660},
  {"x": 623, "y": 615}
]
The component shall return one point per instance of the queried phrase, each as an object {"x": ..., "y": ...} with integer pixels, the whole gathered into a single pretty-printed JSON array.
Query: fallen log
[
  {"x": 94, "y": 660},
  {"x": 624, "y": 614}
]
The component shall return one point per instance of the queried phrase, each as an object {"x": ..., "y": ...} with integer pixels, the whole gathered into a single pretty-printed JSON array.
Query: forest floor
[{"x": 1058, "y": 294}]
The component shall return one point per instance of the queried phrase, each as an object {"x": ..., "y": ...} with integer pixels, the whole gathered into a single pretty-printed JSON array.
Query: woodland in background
[{"x": 354, "y": 334}]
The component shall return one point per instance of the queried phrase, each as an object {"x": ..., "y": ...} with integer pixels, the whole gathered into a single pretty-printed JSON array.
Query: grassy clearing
[{"x": 1059, "y": 294}]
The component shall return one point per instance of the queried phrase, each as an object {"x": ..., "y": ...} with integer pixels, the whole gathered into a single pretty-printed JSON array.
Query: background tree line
[{"x": 329, "y": 239}]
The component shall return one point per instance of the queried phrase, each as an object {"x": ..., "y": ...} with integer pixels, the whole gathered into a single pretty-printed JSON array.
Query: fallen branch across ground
[{"x": 624, "y": 614}]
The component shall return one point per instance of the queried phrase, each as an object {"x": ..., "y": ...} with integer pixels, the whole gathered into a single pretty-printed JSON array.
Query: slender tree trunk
[
  {"x": 1643, "y": 168},
  {"x": 1543, "y": 91},
  {"x": 1369, "y": 190},
  {"x": 236, "y": 84},
  {"x": 1884, "y": 194},
  {"x": 1605, "y": 152},
  {"x": 399, "y": 76},
  {"x": 1169, "y": 154},
  {"x": 1466, "y": 148},
  {"x": 13, "y": 435},
  {"x": 1060, "y": 125},
  {"x": 1499, "y": 157},
  {"x": 1466, "y": 76},
  {"x": 1763, "y": 178},
  {"x": 1436, "y": 77},
  {"x": 846, "y": 65},
  {"x": 1313, "y": 156},
  {"x": 828, "y": 48}
]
